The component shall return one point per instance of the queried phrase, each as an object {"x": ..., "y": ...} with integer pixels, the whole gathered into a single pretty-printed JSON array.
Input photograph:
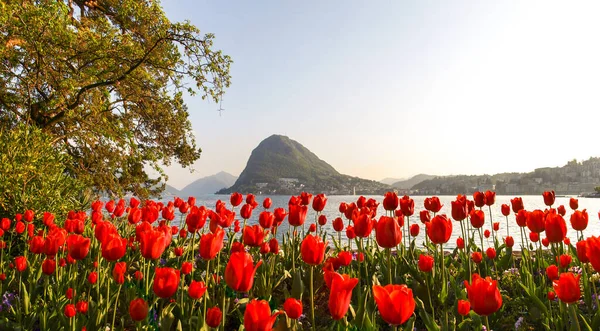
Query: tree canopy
[{"x": 106, "y": 79}]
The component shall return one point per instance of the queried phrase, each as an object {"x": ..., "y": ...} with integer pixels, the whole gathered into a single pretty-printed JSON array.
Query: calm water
[{"x": 331, "y": 211}]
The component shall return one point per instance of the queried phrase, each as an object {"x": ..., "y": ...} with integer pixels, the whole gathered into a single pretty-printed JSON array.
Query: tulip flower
[
  {"x": 549, "y": 197},
  {"x": 138, "y": 309},
  {"x": 517, "y": 204},
  {"x": 297, "y": 214},
  {"x": 505, "y": 209},
  {"x": 460, "y": 243},
  {"x": 552, "y": 272},
  {"x": 464, "y": 307},
  {"x": 213, "y": 317},
  {"x": 484, "y": 295},
  {"x": 340, "y": 293},
  {"x": 266, "y": 219},
  {"x": 211, "y": 244},
  {"x": 579, "y": 220},
  {"x": 407, "y": 206},
  {"x": 556, "y": 228},
  {"x": 196, "y": 219},
  {"x": 322, "y": 220},
  {"x": 425, "y": 263},
  {"x": 433, "y": 204},
  {"x": 293, "y": 308},
  {"x": 48, "y": 266},
  {"x": 82, "y": 307},
  {"x": 114, "y": 247},
  {"x": 363, "y": 226},
  {"x": 21, "y": 263},
  {"x": 565, "y": 260},
  {"x": 573, "y": 203},
  {"x": 70, "y": 310},
  {"x": 119, "y": 271},
  {"x": 582, "y": 251},
  {"x": 567, "y": 287},
  {"x": 166, "y": 281},
  {"x": 396, "y": 303},
  {"x": 459, "y": 208},
  {"x": 196, "y": 290},
  {"x": 240, "y": 271},
  {"x": 257, "y": 316},
  {"x": 561, "y": 210},
  {"x": 387, "y": 232},
  {"x": 476, "y": 257},
  {"x": 390, "y": 201},
  {"x": 479, "y": 199},
  {"x": 414, "y": 230},
  {"x": 536, "y": 221},
  {"x": 491, "y": 253},
  {"x": 319, "y": 202},
  {"x": 439, "y": 229},
  {"x": 253, "y": 235},
  {"x": 312, "y": 250},
  {"x": 424, "y": 216},
  {"x": 267, "y": 202},
  {"x": 153, "y": 243},
  {"x": 509, "y": 241},
  {"x": 477, "y": 218}
]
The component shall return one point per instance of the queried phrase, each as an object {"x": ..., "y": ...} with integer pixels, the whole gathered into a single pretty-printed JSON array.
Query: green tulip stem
[
  {"x": 292, "y": 243},
  {"x": 429, "y": 295},
  {"x": 115, "y": 309},
  {"x": 312, "y": 300},
  {"x": 487, "y": 323},
  {"x": 389, "y": 256},
  {"x": 207, "y": 279},
  {"x": 574, "y": 318}
]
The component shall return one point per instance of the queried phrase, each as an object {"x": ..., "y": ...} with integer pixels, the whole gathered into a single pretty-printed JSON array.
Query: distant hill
[
  {"x": 409, "y": 183},
  {"x": 209, "y": 184},
  {"x": 170, "y": 190},
  {"x": 390, "y": 181},
  {"x": 280, "y": 165}
]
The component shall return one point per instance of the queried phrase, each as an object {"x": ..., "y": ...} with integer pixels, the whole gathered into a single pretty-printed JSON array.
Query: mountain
[
  {"x": 170, "y": 190},
  {"x": 209, "y": 184},
  {"x": 406, "y": 184},
  {"x": 390, "y": 181},
  {"x": 280, "y": 165}
]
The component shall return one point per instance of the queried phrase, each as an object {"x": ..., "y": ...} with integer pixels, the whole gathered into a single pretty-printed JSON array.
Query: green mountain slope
[{"x": 280, "y": 165}]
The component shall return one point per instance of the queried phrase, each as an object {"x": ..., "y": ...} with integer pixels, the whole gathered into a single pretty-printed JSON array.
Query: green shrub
[{"x": 33, "y": 175}]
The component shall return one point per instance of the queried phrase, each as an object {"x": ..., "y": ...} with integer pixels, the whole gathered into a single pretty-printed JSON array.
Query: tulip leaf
[
  {"x": 429, "y": 322},
  {"x": 297, "y": 285},
  {"x": 534, "y": 299},
  {"x": 586, "y": 323},
  {"x": 596, "y": 321},
  {"x": 167, "y": 318}
]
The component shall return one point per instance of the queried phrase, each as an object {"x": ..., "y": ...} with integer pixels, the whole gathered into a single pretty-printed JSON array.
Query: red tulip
[
  {"x": 48, "y": 266},
  {"x": 388, "y": 232},
  {"x": 21, "y": 263},
  {"x": 425, "y": 263},
  {"x": 490, "y": 197},
  {"x": 491, "y": 253},
  {"x": 361, "y": 202},
  {"x": 561, "y": 210},
  {"x": 350, "y": 232},
  {"x": 460, "y": 243},
  {"x": 28, "y": 216},
  {"x": 293, "y": 308},
  {"x": 196, "y": 219},
  {"x": 486, "y": 233},
  {"x": 36, "y": 245},
  {"x": 479, "y": 199},
  {"x": 573, "y": 203},
  {"x": 582, "y": 251},
  {"x": 82, "y": 307},
  {"x": 251, "y": 200},
  {"x": 138, "y": 309},
  {"x": 433, "y": 204},
  {"x": 258, "y": 316},
  {"x": 593, "y": 251},
  {"x": 464, "y": 307},
  {"x": 439, "y": 229},
  {"x": 551, "y": 295},
  {"x": 505, "y": 209},
  {"x": 280, "y": 215},
  {"x": 153, "y": 243},
  {"x": 236, "y": 199},
  {"x": 567, "y": 287},
  {"x": 196, "y": 290},
  {"x": 322, "y": 220},
  {"x": 552, "y": 272},
  {"x": 166, "y": 281},
  {"x": 211, "y": 244},
  {"x": 407, "y": 205},
  {"x": 313, "y": 250},
  {"x": 70, "y": 310},
  {"x": 396, "y": 303},
  {"x": 138, "y": 275},
  {"x": 545, "y": 242},
  {"x": 549, "y": 197},
  {"x": 476, "y": 257},
  {"x": 565, "y": 260},
  {"x": 267, "y": 202},
  {"x": 484, "y": 295},
  {"x": 119, "y": 271},
  {"x": 459, "y": 208},
  {"x": 424, "y": 216},
  {"x": 414, "y": 230},
  {"x": 363, "y": 225},
  {"x": 274, "y": 246},
  {"x": 186, "y": 267},
  {"x": 477, "y": 218},
  {"x": 253, "y": 235},
  {"x": 297, "y": 214},
  {"x": 114, "y": 248},
  {"x": 390, "y": 201},
  {"x": 579, "y": 220},
  {"x": 509, "y": 241},
  {"x": 213, "y": 317},
  {"x": 556, "y": 228},
  {"x": 319, "y": 202},
  {"x": 536, "y": 221},
  {"x": 92, "y": 277},
  {"x": 240, "y": 271},
  {"x": 517, "y": 204},
  {"x": 134, "y": 216},
  {"x": 496, "y": 226},
  {"x": 246, "y": 211},
  {"x": 340, "y": 293},
  {"x": 522, "y": 217}
]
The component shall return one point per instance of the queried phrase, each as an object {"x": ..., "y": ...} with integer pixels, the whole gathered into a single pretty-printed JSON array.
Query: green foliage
[
  {"x": 33, "y": 175},
  {"x": 106, "y": 80}
]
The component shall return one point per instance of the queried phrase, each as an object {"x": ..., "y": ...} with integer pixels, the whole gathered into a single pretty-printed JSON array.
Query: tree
[{"x": 106, "y": 78}]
